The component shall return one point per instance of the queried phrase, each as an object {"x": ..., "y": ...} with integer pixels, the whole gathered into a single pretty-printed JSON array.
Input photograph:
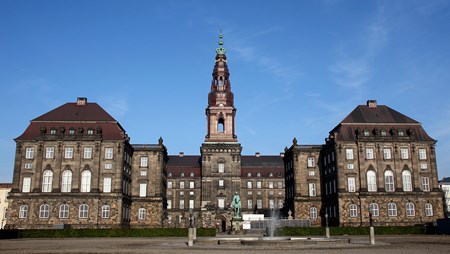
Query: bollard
[
  {"x": 195, "y": 234},
  {"x": 190, "y": 236},
  {"x": 372, "y": 236},
  {"x": 327, "y": 232}
]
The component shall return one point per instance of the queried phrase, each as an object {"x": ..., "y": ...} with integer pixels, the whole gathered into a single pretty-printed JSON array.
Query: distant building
[
  {"x": 5, "y": 188},
  {"x": 75, "y": 167},
  {"x": 444, "y": 184}
]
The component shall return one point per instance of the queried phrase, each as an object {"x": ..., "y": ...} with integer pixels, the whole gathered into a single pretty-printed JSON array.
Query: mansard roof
[
  {"x": 261, "y": 161},
  {"x": 375, "y": 118},
  {"x": 184, "y": 161},
  {"x": 80, "y": 116}
]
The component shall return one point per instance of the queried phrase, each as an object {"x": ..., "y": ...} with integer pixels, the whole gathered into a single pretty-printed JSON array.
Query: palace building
[{"x": 75, "y": 167}]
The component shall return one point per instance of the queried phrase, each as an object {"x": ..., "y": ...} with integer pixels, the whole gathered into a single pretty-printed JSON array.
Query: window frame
[
  {"x": 389, "y": 182},
  {"x": 68, "y": 152},
  {"x": 83, "y": 211},
  {"x": 410, "y": 209},
  {"x": 142, "y": 213},
  {"x": 353, "y": 210},
  {"x": 26, "y": 184},
  {"x": 425, "y": 183},
  {"x": 428, "y": 209},
  {"x": 50, "y": 152},
  {"x": 351, "y": 182},
  {"x": 47, "y": 181},
  {"x": 29, "y": 153},
  {"x": 106, "y": 211},
  {"x": 392, "y": 209},
  {"x": 407, "y": 180},
  {"x": 66, "y": 181},
  {"x": 371, "y": 176},
  {"x": 44, "y": 211},
  {"x": 349, "y": 154},
  {"x": 87, "y": 153},
  {"x": 86, "y": 178},
  {"x": 63, "y": 211},
  {"x": 375, "y": 209},
  {"x": 23, "y": 212},
  {"x": 313, "y": 213}
]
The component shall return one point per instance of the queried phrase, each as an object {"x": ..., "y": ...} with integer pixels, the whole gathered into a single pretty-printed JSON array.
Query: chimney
[
  {"x": 257, "y": 154},
  {"x": 372, "y": 103},
  {"x": 81, "y": 101},
  {"x": 181, "y": 154},
  {"x": 282, "y": 155}
]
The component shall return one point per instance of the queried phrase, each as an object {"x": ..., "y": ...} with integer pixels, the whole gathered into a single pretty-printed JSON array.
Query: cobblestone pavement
[{"x": 358, "y": 245}]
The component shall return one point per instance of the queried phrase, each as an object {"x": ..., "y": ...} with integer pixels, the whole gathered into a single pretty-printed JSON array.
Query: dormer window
[
  {"x": 249, "y": 174},
  {"x": 258, "y": 174},
  {"x": 90, "y": 132},
  {"x": 366, "y": 132},
  {"x": 270, "y": 174},
  {"x": 383, "y": 132},
  {"x": 52, "y": 131},
  {"x": 401, "y": 133},
  {"x": 182, "y": 174},
  {"x": 192, "y": 174},
  {"x": 71, "y": 131}
]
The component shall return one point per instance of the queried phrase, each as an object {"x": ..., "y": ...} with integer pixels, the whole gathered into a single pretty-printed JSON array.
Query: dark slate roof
[
  {"x": 445, "y": 180},
  {"x": 378, "y": 114},
  {"x": 185, "y": 161},
  {"x": 73, "y": 112},
  {"x": 71, "y": 115},
  {"x": 378, "y": 117},
  {"x": 261, "y": 161}
]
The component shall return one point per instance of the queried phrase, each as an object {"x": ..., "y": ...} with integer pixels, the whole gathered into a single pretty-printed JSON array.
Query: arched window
[
  {"x": 406, "y": 177},
  {"x": 410, "y": 209},
  {"x": 83, "y": 212},
  {"x": 64, "y": 211},
  {"x": 106, "y": 211},
  {"x": 371, "y": 181},
  {"x": 428, "y": 209},
  {"x": 66, "y": 181},
  {"x": 392, "y": 209},
  {"x": 86, "y": 181},
  {"x": 389, "y": 181},
  {"x": 44, "y": 211},
  {"x": 353, "y": 210},
  {"x": 374, "y": 208},
  {"x": 221, "y": 125},
  {"x": 141, "y": 214},
  {"x": 23, "y": 211},
  {"x": 313, "y": 213},
  {"x": 47, "y": 181}
]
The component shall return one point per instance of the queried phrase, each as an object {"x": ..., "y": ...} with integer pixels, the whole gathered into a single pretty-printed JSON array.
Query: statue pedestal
[{"x": 236, "y": 226}]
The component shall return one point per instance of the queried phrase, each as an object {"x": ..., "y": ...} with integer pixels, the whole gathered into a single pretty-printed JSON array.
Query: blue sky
[{"x": 297, "y": 67}]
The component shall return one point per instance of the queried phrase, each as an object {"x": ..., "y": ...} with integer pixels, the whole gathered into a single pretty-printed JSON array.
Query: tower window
[{"x": 221, "y": 125}]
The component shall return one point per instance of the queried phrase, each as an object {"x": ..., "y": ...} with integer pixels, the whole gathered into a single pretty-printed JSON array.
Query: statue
[{"x": 236, "y": 205}]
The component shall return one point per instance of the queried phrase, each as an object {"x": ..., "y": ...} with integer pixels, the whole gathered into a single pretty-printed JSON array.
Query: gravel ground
[{"x": 358, "y": 245}]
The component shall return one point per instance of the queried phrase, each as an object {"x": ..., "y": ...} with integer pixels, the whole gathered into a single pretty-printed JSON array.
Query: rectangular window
[
  {"x": 271, "y": 203},
  {"x": 311, "y": 173},
  {"x": 250, "y": 204},
  {"x": 249, "y": 184},
  {"x": 425, "y": 184},
  {"x": 221, "y": 184},
  {"x": 270, "y": 185},
  {"x": 422, "y": 154},
  {"x": 221, "y": 168},
  {"x": 369, "y": 153},
  {"x": 191, "y": 185},
  {"x": 29, "y": 153},
  {"x": 280, "y": 184},
  {"x": 169, "y": 185},
  {"x": 87, "y": 153},
  {"x": 280, "y": 203},
  {"x": 68, "y": 152},
  {"x": 49, "y": 152},
  {"x": 259, "y": 204},
  {"x": 28, "y": 166},
  {"x": 310, "y": 162},
  {"x": 258, "y": 185},
  {"x": 169, "y": 204},
  {"x": 143, "y": 172},
  {"x": 351, "y": 184},
  {"x": 387, "y": 153},
  {"x": 423, "y": 166},
  {"x": 312, "y": 189},
  {"x": 221, "y": 203},
  {"x": 181, "y": 204},
  {"x": 191, "y": 204},
  {"x": 144, "y": 162},
  {"x": 349, "y": 166},
  {"x": 349, "y": 154},
  {"x": 404, "y": 153},
  {"x": 107, "y": 184},
  {"x": 26, "y": 186},
  {"x": 142, "y": 190},
  {"x": 109, "y": 153},
  {"x": 181, "y": 185}
]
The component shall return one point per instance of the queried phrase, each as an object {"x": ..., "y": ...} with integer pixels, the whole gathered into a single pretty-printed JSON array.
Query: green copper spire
[{"x": 221, "y": 50}]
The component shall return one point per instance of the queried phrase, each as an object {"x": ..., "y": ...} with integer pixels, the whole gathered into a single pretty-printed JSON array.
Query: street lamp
[
  {"x": 327, "y": 229},
  {"x": 190, "y": 218},
  {"x": 370, "y": 216},
  {"x": 326, "y": 219}
]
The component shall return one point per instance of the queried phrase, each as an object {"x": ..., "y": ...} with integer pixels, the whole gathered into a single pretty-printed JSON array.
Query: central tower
[{"x": 221, "y": 152}]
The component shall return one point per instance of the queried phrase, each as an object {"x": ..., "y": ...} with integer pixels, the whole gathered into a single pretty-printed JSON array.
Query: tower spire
[{"x": 221, "y": 50}]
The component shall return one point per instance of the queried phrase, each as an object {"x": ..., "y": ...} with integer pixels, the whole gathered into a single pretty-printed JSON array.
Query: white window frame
[
  {"x": 64, "y": 211},
  {"x": 259, "y": 204},
  {"x": 310, "y": 162},
  {"x": 106, "y": 211},
  {"x": 369, "y": 153},
  {"x": 250, "y": 204},
  {"x": 258, "y": 184},
  {"x": 425, "y": 183},
  {"x": 68, "y": 152},
  {"x": 144, "y": 162},
  {"x": 271, "y": 204},
  {"x": 270, "y": 184},
  {"x": 375, "y": 209},
  {"x": 66, "y": 181},
  {"x": 142, "y": 189},
  {"x": 181, "y": 205},
  {"x": 280, "y": 184},
  {"x": 86, "y": 181},
  {"x": 280, "y": 203},
  {"x": 191, "y": 203},
  {"x": 312, "y": 189},
  {"x": 389, "y": 183},
  {"x": 221, "y": 168},
  {"x": 169, "y": 204},
  {"x": 87, "y": 153},
  {"x": 349, "y": 153},
  {"x": 249, "y": 184},
  {"x": 49, "y": 152},
  {"x": 191, "y": 185},
  {"x": 387, "y": 155},
  {"x": 47, "y": 181},
  {"x": 107, "y": 184},
  {"x": 29, "y": 153},
  {"x": 371, "y": 181},
  {"x": 351, "y": 184},
  {"x": 26, "y": 184},
  {"x": 169, "y": 185},
  {"x": 410, "y": 210},
  {"x": 422, "y": 154},
  {"x": 44, "y": 211},
  {"x": 181, "y": 184},
  {"x": 142, "y": 214},
  {"x": 404, "y": 153},
  {"x": 221, "y": 183},
  {"x": 406, "y": 179},
  {"x": 428, "y": 209},
  {"x": 23, "y": 212},
  {"x": 392, "y": 209},
  {"x": 109, "y": 153},
  {"x": 83, "y": 211},
  {"x": 221, "y": 203},
  {"x": 353, "y": 210}
]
